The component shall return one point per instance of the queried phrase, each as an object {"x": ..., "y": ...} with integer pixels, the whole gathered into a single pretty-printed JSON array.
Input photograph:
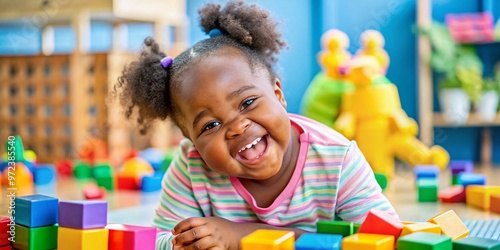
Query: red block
[
  {"x": 495, "y": 203},
  {"x": 4, "y": 228},
  {"x": 380, "y": 222},
  {"x": 8, "y": 247},
  {"x": 92, "y": 192},
  {"x": 453, "y": 194},
  {"x": 127, "y": 237},
  {"x": 64, "y": 168},
  {"x": 127, "y": 183}
]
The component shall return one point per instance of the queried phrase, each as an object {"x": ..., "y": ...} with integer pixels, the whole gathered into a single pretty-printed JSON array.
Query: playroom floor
[{"x": 137, "y": 208}]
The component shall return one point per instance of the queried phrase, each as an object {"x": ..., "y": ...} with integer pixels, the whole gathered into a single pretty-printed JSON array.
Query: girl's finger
[
  {"x": 191, "y": 235},
  {"x": 187, "y": 224},
  {"x": 208, "y": 242}
]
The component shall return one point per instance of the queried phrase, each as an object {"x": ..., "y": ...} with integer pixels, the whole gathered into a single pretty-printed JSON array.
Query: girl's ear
[{"x": 279, "y": 92}]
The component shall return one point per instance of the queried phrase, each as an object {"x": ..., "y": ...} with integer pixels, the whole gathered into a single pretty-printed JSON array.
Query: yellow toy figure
[
  {"x": 334, "y": 54},
  {"x": 372, "y": 116},
  {"x": 372, "y": 44}
]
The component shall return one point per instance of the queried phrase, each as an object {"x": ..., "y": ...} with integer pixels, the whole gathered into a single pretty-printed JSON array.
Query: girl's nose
[{"x": 237, "y": 127}]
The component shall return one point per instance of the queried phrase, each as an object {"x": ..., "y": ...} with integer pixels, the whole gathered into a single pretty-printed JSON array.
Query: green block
[
  {"x": 472, "y": 243},
  {"x": 37, "y": 238},
  {"x": 454, "y": 180},
  {"x": 427, "y": 189},
  {"x": 343, "y": 228},
  {"x": 424, "y": 241},
  {"x": 106, "y": 181},
  {"x": 82, "y": 170},
  {"x": 381, "y": 180},
  {"x": 15, "y": 149},
  {"x": 102, "y": 170},
  {"x": 169, "y": 156},
  {"x": 355, "y": 227}
]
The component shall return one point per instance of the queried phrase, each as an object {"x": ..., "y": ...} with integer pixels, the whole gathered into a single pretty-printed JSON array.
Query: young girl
[{"x": 246, "y": 164}]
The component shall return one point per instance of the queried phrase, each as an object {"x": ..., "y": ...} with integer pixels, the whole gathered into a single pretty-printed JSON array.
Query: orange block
[
  {"x": 421, "y": 227},
  {"x": 495, "y": 203},
  {"x": 479, "y": 196},
  {"x": 451, "y": 225},
  {"x": 362, "y": 241}
]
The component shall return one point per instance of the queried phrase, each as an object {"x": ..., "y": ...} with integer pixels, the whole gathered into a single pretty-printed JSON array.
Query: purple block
[
  {"x": 83, "y": 214},
  {"x": 461, "y": 166},
  {"x": 426, "y": 171},
  {"x": 466, "y": 179}
]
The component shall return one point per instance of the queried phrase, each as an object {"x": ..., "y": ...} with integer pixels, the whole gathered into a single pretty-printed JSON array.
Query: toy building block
[
  {"x": 381, "y": 180},
  {"x": 151, "y": 183},
  {"x": 82, "y": 170},
  {"x": 424, "y": 241},
  {"x": 466, "y": 179},
  {"x": 64, "y": 168},
  {"x": 309, "y": 241},
  {"x": 7, "y": 247},
  {"x": 136, "y": 168},
  {"x": 153, "y": 156},
  {"x": 472, "y": 243},
  {"x": 362, "y": 241},
  {"x": 126, "y": 183},
  {"x": 15, "y": 148},
  {"x": 427, "y": 189},
  {"x": 36, "y": 238},
  {"x": 4, "y": 230},
  {"x": 36, "y": 210},
  {"x": 269, "y": 240},
  {"x": 17, "y": 176},
  {"x": 451, "y": 225},
  {"x": 453, "y": 194},
  {"x": 83, "y": 214},
  {"x": 93, "y": 192},
  {"x": 44, "y": 174},
  {"x": 128, "y": 237},
  {"x": 479, "y": 196},
  {"x": 77, "y": 239},
  {"x": 344, "y": 228},
  {"x": 355, "y": 227},
  {"x": 426, "y": 227},
  {"x": 458, "y": 167},
  {"x": 495, "y": 203},
  {"x": 380, "y": 222},
  {"x": 103, "y": 174},
  {"x": 426, "y": 171}
]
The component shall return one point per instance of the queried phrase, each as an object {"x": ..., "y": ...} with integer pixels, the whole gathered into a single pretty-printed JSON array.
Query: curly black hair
[{"x": 145, "y": 86}]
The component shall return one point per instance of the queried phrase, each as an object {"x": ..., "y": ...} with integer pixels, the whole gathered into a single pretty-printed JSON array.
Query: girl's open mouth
[{"x": 253, "y": 151}]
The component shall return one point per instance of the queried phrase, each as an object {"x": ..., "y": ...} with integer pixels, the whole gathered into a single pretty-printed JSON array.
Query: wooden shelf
[{"x": 474, "y": 120}]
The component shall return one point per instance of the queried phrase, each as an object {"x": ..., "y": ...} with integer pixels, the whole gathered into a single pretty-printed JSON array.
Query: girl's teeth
[{"x": 251, "y": 144}]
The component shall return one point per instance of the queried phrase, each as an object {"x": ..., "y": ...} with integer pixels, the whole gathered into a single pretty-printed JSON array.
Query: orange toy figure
[
  {"x": 94, "y": 149},
  {"x": 334, "y": 54},
  {"x": 372, "y": 44},
  {"x": 372, "y": 115}
]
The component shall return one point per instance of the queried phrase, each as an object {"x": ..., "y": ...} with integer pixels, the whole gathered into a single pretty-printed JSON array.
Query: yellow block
[
  {"x": 368, "y": 242},
  {"x": 479, "y": 196},
  {"x": 79, "y": 239},
  {"x": 263, "y": 239},
  {"x": 421, "y": 227},
  {"x": 451, "y": 225}
]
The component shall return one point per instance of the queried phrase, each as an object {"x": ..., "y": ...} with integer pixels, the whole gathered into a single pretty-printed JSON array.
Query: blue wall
[{"x": 302, "y": 24}]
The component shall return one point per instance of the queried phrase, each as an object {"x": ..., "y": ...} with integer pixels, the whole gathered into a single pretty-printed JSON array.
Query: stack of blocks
[
  {"x": 379, "y": 231},
  {"x": 82, "y": 226},
  {"x": 427, "y": 182},
  {"x": 36, "y": 222}
]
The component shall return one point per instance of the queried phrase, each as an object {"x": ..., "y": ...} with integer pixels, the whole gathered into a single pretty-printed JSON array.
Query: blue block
[
  {"x": 426, "y": 171},
  {"x": 151, "y": 183},
  {"x": 466, "y": 179},
  {"x": 44, "y": 174},
  {"x": 30, "y": 165},
  {"x": 3, "y": 165},
  {"x": 36, "y": 210},
  {"x": 154, "y": 156},
  {"x": 309, "y": 241}
]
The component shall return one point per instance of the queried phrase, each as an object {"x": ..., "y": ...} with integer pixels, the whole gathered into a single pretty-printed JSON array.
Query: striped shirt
[{"x": 331, "y": 180}]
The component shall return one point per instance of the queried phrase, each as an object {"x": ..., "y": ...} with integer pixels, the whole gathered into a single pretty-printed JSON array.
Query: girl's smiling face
[{"x": 235, "y": 116}]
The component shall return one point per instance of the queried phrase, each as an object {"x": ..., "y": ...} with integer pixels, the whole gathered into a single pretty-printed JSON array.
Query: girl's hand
[{"x": 205, "y": 233}]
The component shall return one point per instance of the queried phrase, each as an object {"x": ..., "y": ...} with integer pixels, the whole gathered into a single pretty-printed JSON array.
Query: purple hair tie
[
  {"x": 166, "y": 61},
  {"x": 214, "y": 33}
]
